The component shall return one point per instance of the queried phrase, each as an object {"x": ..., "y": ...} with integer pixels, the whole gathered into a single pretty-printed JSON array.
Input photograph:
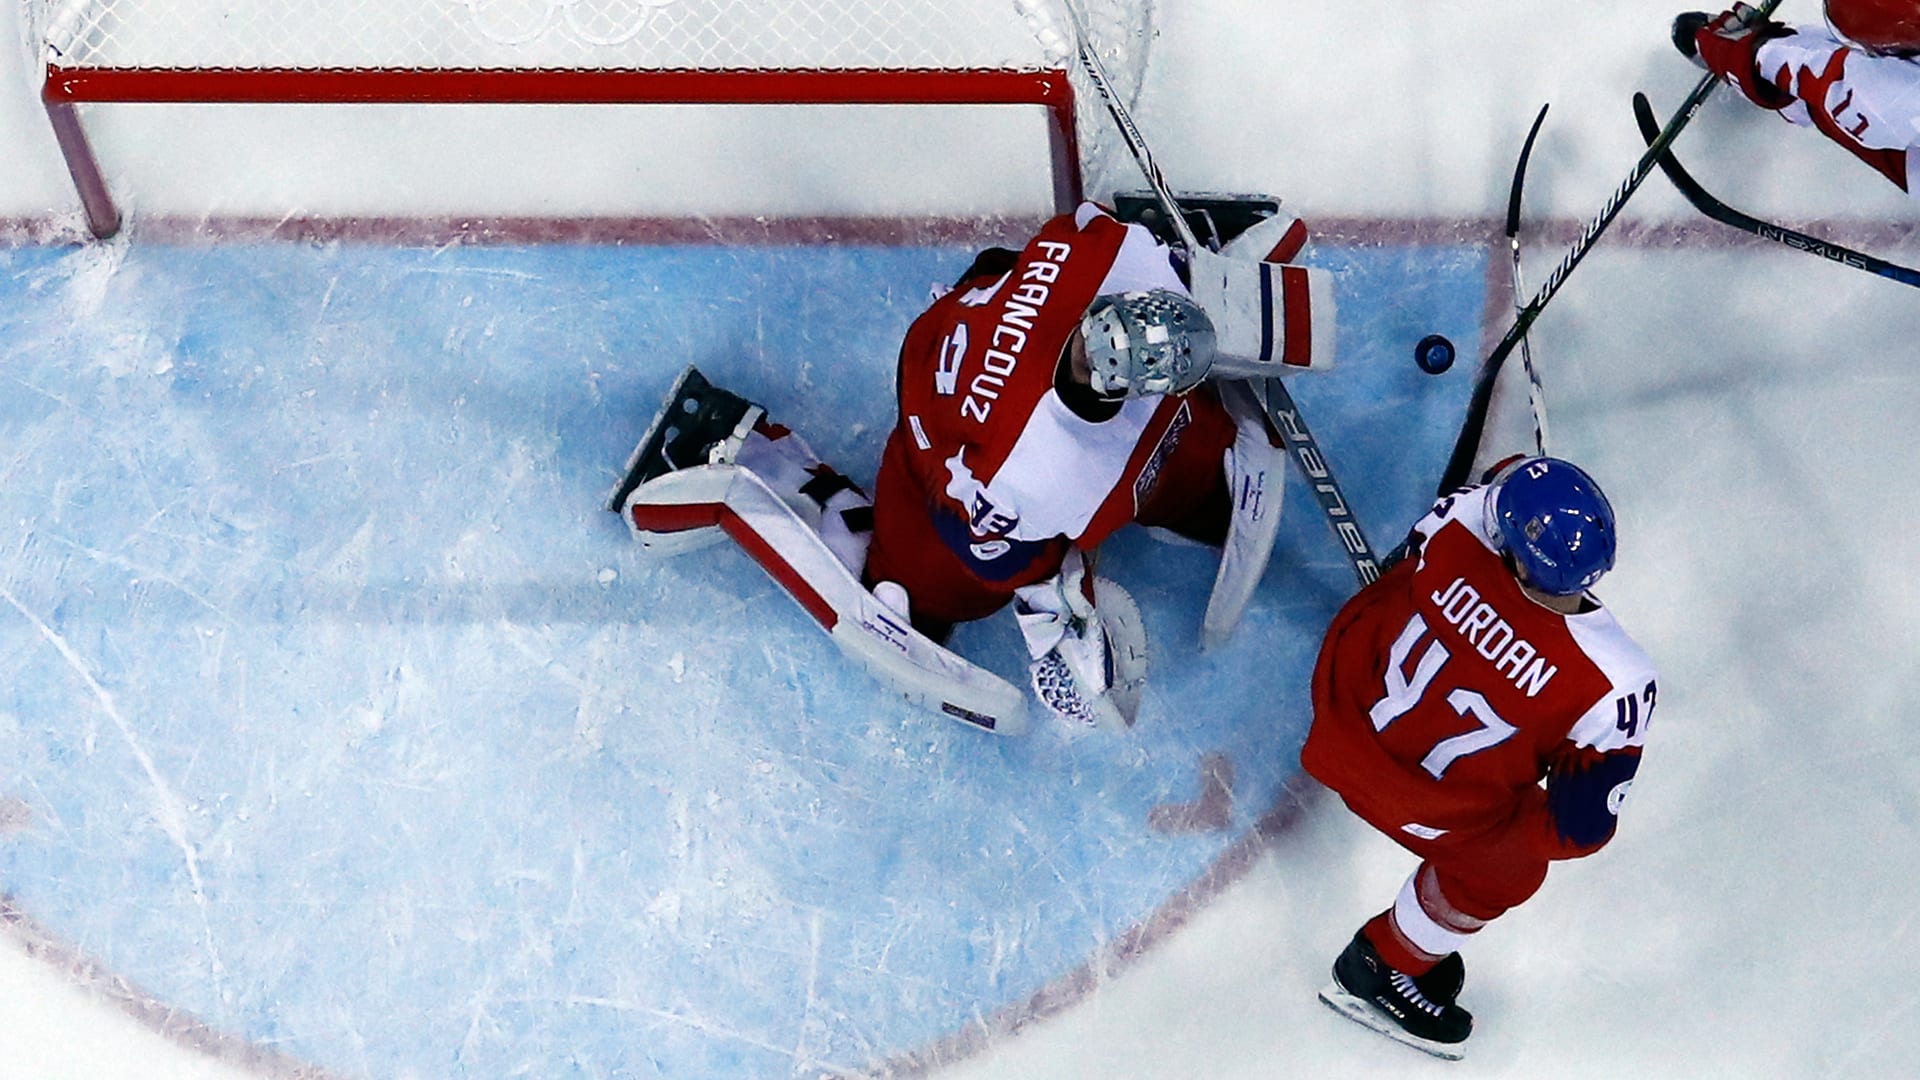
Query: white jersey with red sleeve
[
  {"x": 1868, "y": 104},
  {"x": 1006, "y": 466},
  {"x": 1444, "y": 693}
]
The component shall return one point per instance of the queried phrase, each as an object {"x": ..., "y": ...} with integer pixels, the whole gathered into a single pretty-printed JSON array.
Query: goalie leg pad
[
  {"x": 680, "y": 511},
  {"x": 712, "y": 501},
  {"x": 736, "y": 432},
  {"x": 1256, "y": 475},
  {"x": 827, "y": 501}
]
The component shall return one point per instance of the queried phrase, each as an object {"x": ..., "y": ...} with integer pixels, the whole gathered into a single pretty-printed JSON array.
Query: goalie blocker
[{"x": 1272, "y": 318}]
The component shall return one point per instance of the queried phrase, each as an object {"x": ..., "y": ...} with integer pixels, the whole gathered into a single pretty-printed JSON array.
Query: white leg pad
[
  {"x": 677, "y": 510},
  {"x": 1256, "y": 469},
  {"x": 715, "y": 501}
]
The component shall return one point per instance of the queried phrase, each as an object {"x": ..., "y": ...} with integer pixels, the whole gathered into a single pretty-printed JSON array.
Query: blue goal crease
[{"x": 339, "y": 715}]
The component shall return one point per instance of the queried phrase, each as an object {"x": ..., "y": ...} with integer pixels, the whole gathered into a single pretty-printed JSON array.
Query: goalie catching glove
[{"x": 1088, "y": 646}]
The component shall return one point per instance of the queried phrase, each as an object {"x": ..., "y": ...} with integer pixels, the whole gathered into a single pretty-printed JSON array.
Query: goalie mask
[
  {"x": 1139, "y": 343},
  {"x": 1888, "y": 27}
]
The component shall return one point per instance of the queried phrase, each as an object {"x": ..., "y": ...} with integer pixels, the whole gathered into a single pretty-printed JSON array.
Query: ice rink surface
[
  {"x": 394, "y": 751},
  {"x": 343, "y": 730}
]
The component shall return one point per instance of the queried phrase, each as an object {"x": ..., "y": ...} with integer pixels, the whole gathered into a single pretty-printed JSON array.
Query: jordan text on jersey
[{"x": 1492, "y": 637}]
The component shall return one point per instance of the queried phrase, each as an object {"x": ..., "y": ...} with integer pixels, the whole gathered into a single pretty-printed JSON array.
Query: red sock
[{"x": 1393, "y": 946}]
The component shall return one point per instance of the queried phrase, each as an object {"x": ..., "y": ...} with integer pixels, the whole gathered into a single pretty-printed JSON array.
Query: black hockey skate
[
  {"x": 1417, "y": 1011},
  {"x": 1444, "y": 982},
  {"x": 699, "y": 424}
]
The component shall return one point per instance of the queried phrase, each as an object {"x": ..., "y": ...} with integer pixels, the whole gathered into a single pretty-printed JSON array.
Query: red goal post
[{"x": 515, "y": 52}]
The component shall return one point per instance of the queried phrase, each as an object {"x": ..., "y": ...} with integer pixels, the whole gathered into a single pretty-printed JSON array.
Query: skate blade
[
  {"x": 616, "y": 498},
  {"x": 1367, "y": 1015}
]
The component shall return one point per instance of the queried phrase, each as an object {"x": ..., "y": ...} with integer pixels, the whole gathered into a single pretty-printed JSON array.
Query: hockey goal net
[{"x": 760, "y": 52}]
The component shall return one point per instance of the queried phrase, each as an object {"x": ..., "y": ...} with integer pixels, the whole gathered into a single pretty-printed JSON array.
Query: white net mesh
[
  {"x": 614, "y": 35},
  {"x": 542, "y": 34},
  {"x": 1120, "y": 33}
]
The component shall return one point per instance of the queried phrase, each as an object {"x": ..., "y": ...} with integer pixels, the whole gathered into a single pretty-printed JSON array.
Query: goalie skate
[{"x": 698, "y": 424}]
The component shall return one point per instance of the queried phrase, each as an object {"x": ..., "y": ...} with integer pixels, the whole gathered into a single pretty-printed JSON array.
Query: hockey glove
[
  {"x": 1729, "y": 46},
  {"x": 1079, "y": 672},
  {"x": 1686, "y": 26}
]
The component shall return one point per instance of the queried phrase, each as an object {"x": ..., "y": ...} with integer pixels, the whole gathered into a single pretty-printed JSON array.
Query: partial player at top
[{"x": 1856, "y": 80}]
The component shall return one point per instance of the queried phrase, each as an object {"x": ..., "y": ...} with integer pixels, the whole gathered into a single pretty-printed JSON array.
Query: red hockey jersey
[
  {"x": 1868, "y": 104},
  {"x": 1444, "y": 694},
  {"x": 1009, "y": 475}
]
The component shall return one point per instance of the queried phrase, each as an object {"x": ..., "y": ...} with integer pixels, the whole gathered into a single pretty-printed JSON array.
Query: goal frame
[{"x": 67, "y": 88}]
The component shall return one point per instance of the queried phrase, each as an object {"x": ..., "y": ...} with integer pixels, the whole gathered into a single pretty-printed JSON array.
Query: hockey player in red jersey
[
  {"x": 1446, "y": 692},
  {"x": 1857, "y": 79},
  {"x": 1022, "y": 434},
  {"x": 1051, "y": 396}
]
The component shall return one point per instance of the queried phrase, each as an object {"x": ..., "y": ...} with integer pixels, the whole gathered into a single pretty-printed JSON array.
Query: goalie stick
[
  {"x": 1705, "y": 202},
  {"x": 1460, "y": 464},
  {"x": 1278, "y": 401}
]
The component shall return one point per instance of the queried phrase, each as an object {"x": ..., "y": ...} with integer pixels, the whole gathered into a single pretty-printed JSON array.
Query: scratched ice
[{"x": 326, "y": 659}]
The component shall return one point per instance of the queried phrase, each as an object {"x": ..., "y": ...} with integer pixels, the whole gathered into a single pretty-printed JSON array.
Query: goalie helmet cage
[{"x": 517, "y": 52}]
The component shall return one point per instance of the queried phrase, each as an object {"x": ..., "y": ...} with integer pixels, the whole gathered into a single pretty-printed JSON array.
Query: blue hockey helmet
[{"x": 1556, "y": 523}]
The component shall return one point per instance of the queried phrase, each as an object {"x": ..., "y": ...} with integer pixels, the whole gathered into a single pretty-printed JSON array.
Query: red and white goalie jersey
[
  {"x": 989, "y": 476},
  {"x": 1444, "y": 695},
  {"x": 1867, "y": 103}
]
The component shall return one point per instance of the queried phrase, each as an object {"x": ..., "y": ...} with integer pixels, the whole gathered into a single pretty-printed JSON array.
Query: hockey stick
[
  {"x": 1703, "y": 201},
  {"x": 1279, "y": 403},
  {"x": 1129, "y": 131},
  {"x": 1460, "y": 464},
  {"x": 1536, "y": 394}
]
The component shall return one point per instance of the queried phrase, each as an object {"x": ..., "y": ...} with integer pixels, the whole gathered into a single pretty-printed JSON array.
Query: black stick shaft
[
  {"x": 1707, "y": 204},
  {"x": 1536, "y": 393},
  {"x": 1468, "y": 444}
]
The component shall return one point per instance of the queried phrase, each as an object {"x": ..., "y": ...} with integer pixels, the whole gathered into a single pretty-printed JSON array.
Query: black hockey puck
[{"x": 1434, "y": 354}]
